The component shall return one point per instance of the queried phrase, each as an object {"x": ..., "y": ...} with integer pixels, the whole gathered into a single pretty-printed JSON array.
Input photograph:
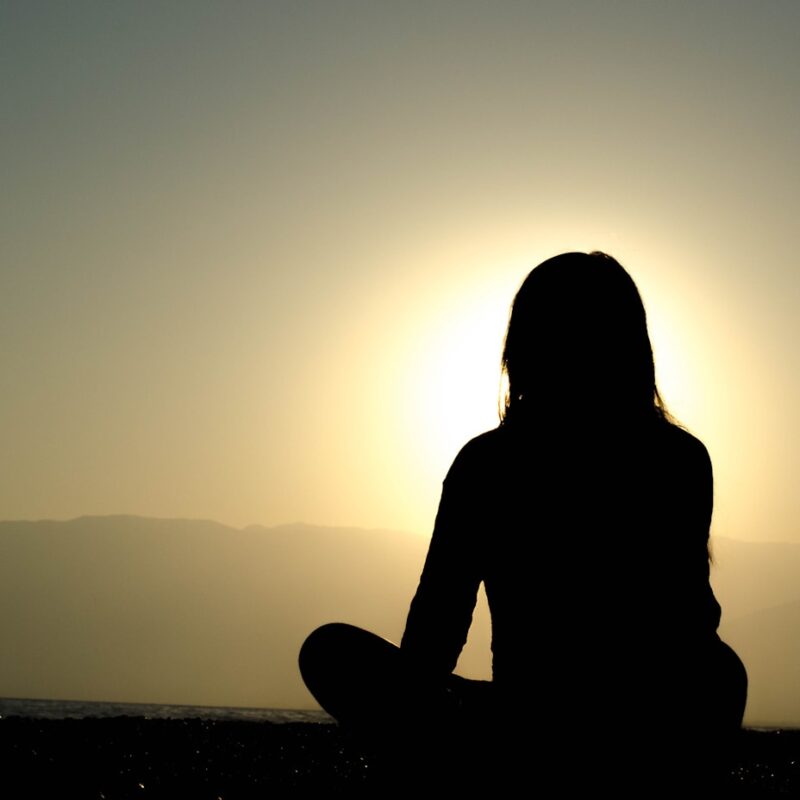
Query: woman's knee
[
  {"x": 734, "y": 666},
  {"x": 732, "y": 674},
  {"x": 339, "y": 651},
  {"x": 321, "y": 646},
  {"x": 322, "y": 637}
]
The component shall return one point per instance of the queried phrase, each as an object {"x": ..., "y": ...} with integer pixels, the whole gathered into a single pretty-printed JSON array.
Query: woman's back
[{"x": 592, "y": 541}]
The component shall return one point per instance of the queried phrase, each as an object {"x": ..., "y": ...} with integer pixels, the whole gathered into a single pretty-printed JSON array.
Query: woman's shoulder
[
  {"x": 681, "y": 443},
  {"x": 500, "y": 447},
  {"x": 487, "y": 442},
  {"x": 480, "y": 452},
  {"x": 681, "y": 461}
]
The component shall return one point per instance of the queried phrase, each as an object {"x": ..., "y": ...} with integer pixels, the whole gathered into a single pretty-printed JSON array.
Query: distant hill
[
  {"x": 178, "y": 611},
  {"x": 186, "y": 611},
  {"x": 767, "y": 641},
  {"x": 748, "y": 576},
  {"x": 758, "y": 587}
]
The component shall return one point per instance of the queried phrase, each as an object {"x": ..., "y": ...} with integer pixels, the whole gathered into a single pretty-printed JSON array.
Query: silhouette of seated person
[{"x": 586, "y": 515}]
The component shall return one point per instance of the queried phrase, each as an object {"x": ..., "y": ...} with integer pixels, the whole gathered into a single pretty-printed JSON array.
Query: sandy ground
[{"x": 127, "y": 757}]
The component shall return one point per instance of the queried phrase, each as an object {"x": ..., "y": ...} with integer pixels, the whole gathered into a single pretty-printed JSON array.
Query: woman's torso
[{"x": 593, "y": 549}]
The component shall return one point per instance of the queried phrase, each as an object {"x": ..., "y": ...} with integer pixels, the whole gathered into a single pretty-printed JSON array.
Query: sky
[{"x": 257, "y": 258}]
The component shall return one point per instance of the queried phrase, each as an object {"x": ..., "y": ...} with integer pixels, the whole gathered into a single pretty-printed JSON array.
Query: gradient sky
[{"x": 257, "y": 258}]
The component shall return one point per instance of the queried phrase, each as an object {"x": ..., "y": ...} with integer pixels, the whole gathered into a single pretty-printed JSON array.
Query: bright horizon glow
[{"x": 286, "y": 301}]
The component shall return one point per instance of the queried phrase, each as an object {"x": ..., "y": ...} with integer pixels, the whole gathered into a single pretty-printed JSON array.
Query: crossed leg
[
  {"x": 391, "y": 709},
  {"x": 455, "y": 728}
]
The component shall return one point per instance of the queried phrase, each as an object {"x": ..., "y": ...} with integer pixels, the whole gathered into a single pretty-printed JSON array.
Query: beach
[
  {"x": 123, "y": 757},
  {"x": 136, "y": 756}
]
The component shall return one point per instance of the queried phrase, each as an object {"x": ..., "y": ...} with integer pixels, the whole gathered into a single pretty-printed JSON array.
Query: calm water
[{"x": 62, "y": 709}]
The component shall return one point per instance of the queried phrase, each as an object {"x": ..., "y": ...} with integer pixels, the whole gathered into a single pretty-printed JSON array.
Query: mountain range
[{"x": 137, "y": 609}]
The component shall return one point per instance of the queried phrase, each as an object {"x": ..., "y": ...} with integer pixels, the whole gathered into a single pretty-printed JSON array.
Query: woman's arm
[
  {"x": 699, "y": 616},
  {"x": 441, "y": 611},
  {"x": 711, "y": 611}
]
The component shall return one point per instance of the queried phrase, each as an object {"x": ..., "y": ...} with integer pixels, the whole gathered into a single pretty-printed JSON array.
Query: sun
[{"x": 454, "y": 384}]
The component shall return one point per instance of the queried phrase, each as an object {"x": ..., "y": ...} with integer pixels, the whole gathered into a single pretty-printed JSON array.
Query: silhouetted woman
[{"x": 586, "y": 515}]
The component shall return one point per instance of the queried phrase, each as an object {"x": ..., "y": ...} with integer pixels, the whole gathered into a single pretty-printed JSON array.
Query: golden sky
[{"x": 257, "y": 258}]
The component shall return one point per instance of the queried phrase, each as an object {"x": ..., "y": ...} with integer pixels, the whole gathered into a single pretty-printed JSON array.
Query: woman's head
[{"x": 577, "y": 345}]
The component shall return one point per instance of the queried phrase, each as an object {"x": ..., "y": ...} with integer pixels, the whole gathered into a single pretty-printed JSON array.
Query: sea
[{"x": 82, "y": 709}]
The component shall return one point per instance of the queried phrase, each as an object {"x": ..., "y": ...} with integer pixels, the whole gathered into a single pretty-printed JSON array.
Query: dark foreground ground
[{"x": 134, "y": 757}]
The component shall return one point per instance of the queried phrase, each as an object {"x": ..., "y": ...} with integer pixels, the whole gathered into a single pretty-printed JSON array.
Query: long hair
[{"x": 577, "y": 346}]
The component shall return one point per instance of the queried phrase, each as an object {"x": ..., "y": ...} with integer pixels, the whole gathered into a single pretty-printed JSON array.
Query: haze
[
  {"x": 257, "y": 259},
  {"x": 136, "y": 609}
]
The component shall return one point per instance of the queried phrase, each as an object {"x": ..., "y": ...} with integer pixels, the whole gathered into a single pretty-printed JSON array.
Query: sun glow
[{"x": 454, "y": 378}]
